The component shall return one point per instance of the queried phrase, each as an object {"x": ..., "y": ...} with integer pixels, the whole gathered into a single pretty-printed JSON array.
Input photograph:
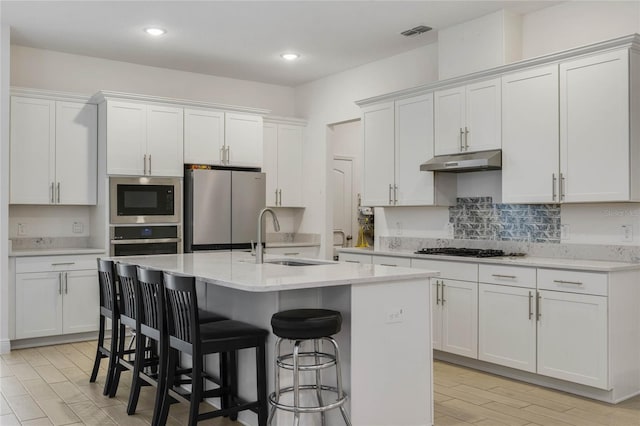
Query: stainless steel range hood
[{"x": 467, "y": 162}]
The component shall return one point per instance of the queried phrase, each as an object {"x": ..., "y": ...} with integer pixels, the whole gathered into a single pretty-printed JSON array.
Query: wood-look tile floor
[{"x": 50, "y": 386}]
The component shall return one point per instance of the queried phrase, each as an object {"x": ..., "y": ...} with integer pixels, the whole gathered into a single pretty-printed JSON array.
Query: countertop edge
[{"x": 534, "y": 262}]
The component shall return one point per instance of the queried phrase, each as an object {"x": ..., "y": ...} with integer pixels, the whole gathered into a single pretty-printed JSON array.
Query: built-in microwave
[{"x": 145, "y": 200}]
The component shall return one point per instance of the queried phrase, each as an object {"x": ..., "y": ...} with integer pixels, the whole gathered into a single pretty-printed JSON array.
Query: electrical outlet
[
  {"x": 564, "y": 232},
  {"x": 627, "y": 233},
  {"x": 78, "y": 227},
  {"x": 398, "y": 228},
  {"x": 22, "y": 229},
  {"x": 394, "y": 315},
  {"x": 450, "y": 230}
]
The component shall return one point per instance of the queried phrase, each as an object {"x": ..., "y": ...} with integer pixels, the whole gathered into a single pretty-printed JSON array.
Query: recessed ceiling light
[
  {"x": 289, "y": 56},
  {"x": 155, "y": 31}
]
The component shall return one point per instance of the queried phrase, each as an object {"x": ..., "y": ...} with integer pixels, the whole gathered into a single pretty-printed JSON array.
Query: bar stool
[
  {"x": 186, "y": 335},
  {"x": 301, "y": 325},
  {"x": 108, "y": 310}
]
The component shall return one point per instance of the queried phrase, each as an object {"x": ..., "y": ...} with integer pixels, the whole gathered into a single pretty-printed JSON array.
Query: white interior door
[{"x": 344, "y": 213}]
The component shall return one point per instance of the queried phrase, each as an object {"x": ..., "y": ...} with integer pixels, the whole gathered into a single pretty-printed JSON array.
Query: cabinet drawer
[
  {"x": 295, "y": 251},
  {"x": 453, "y": 270},
  {"x": 573, "y": 281},
  {"x": 404, "y": 262},
  {"x": 355, "y": 258},
  {"x": 516, "y": 276},
  {"x": 56, "y": 263}
]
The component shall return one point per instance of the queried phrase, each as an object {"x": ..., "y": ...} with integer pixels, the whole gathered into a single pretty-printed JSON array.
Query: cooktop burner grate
[{"x": 466, "y": 252}]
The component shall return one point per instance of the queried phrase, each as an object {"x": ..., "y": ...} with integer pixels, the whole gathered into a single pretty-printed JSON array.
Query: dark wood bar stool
[
  {"x": 108, "y": 310},
  {"x": 299, "y": 326},
  {"x": 187, "y": 335}
]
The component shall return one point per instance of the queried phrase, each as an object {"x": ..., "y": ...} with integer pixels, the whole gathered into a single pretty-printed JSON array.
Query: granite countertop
[
  {"x": 239, "y": 271},
  {"x": 531, "y": 261}
]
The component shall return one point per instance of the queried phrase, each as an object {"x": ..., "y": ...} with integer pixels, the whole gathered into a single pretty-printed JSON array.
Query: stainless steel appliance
[
  {"x": 145, "y": 200},
  {"x": 221, "y": 208},
  {"x": 464, "y": 162},
  {"x": 128, "y": 240},
  {"x": 466, "y": 252}
]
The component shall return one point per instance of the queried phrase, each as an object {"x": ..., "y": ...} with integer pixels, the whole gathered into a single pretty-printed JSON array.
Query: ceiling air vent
[{"x": 420, "y": 29}]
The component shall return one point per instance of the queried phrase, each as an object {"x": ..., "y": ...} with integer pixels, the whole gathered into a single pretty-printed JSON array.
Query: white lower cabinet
[
  {"x": 572, "y": 337},
  {"x": 507, "y": 326},
  {"x": 56, "y": 296}
]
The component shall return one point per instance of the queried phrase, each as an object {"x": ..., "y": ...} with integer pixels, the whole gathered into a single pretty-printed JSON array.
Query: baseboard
[
  {"x": 5, "y": 346},
  {"x": 53, "y": 340}
]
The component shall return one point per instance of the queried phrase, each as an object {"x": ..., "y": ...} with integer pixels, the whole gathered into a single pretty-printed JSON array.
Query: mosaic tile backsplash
[{"x": 478, "y": 218}]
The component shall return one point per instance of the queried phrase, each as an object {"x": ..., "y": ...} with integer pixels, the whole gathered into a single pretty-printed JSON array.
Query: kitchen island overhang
[{"x": 385, "y": 340}]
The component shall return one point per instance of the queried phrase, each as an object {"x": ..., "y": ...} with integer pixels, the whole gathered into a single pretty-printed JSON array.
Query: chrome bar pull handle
[
  {"x": 276, "y": 197},
  {"x": 395, "y": 194},
  {"x": 63, "y": 263},
  {"x": 461, "y": 139},
  {"x": 530, "y": 305},
  {"x": 511, "y": 277},
  {"x": 390, "y": 197},
  {"x": 538, "y": 306},
  {"x": 568, "y": 282},
  {"x": 51, "y": 190},
  {"x": 149, "y": 163},
  {"x": 466, "y": 138},
  {"x": 437, "y": 292},
  {"x": 563, "y": 188},
  {"x": 144, "y": 162},
  {"x": 66, "y": 283},
  {"x": 442, "y": 293},
  {"x": 58, "y": 192},
  {"x": 222, "y": 154},
  {"x": 60, "y": 283},
  {"x": 228, "y": 155},
  {"x": 280, "y": 197},
  {"x": 554, "y": 181}
]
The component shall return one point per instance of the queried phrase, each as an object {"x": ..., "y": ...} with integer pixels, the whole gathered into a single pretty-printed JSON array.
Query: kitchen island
[{"x": 385, "y": 340}]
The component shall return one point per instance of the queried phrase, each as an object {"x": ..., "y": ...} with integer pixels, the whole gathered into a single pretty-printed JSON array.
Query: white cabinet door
[
  {"x": 378, "y": 154},
  {"x": 81, "y": 302},
  {"x": 38, "y": 304},
  {"x": 76, "y": 153},
  {"x": 594, "y": 128},
  {"x": 459, "y": 301},
  {"x": 530, "y": 142},
  {"x": 483, "y": 116},
  {"x": 243, "y": 137},
  {"x": 203, "y": 136},
  {"x": 449, "y": 120},
  {"x": 290, "y": 139},
  {"x": 413, "y": 146},
  {"x": 572, "y": 338},
  {"x": 270, "y": 162},
  {"x": 164, "y": 141},
  {"x": 507, "y": 326},
  {"x": 32, "y": 151},
  {"x": 126, "y": 138}
]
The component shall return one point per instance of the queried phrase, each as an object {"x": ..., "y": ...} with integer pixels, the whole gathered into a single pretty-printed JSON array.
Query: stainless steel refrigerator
[{"x": 221, "y": 208}]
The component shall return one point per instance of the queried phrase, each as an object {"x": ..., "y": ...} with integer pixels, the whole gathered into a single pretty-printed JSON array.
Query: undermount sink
[{"x": 287, "y": 262}]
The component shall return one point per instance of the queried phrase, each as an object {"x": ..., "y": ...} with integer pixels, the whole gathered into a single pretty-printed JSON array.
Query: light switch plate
[{"x": 78, "y": 227}]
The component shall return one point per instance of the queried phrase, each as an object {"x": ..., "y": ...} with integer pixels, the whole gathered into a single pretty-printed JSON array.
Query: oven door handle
[{"x": 146, "y": 241}]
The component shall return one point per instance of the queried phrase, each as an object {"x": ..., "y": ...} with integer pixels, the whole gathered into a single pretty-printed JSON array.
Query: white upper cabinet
[
  {"x": 398, "y": 137},
  {"x": 530, "y": 138},
  {"x": 413, "y": 146},
  {"x": 144, "y": 140},
  {"x": 595, "y": 149},
  {"x": 53, "y": 152},
  {"x": 203, "y": 136},
  {"x": 243, "y": 140},
  {"x": 468, "y": 118},
  {"x": 283, "y": 164},
  {"x": 378, "y": 154}
]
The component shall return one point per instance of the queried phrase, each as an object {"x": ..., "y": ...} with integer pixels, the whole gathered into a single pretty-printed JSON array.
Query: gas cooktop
[{"x": 466, "y": 252}]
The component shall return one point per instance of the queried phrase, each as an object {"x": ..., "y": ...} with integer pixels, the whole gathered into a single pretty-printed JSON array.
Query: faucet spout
[{"x": 276, "y": 226}]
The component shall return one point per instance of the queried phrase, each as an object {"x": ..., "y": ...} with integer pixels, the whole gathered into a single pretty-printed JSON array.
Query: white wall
[
  {"x": 45, "y": 69},
  {"x": 331, "y": 100}
]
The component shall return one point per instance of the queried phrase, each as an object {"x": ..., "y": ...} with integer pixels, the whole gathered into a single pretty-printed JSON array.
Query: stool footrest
[
  {"x": 313, "y": 409},
  {"x": 331, "y": 361}
]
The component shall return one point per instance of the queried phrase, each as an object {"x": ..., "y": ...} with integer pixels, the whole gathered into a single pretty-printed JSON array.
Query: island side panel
[{"x": 391, "y": 355}]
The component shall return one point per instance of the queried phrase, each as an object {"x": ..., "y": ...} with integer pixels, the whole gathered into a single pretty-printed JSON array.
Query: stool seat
[
  {"x": 208, "y": 316},
  {"x": 301, "y": 324}
]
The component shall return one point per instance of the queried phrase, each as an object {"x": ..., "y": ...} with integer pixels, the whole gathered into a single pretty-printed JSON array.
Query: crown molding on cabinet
[
  {"x": 631, "y": 41},
  {"x": 284, "y": 120},
  {"x": 104, "y": 95},
  {"x": 50, "y": 94}
]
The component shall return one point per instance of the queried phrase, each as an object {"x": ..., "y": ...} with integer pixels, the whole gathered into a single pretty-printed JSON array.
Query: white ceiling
[{"x": 241, "y": 39}]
